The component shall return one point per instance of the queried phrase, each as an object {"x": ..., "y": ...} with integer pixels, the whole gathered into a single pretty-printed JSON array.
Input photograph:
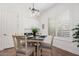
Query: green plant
[
  {"x": 76, "y": 34},
  {"x": 34, "y": 31}
]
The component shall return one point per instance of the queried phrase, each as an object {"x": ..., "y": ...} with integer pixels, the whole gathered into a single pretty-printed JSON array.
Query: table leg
[{"x": 37, "y": 48}]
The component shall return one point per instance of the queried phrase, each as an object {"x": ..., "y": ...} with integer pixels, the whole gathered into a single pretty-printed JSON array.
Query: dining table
[{"x": 37, "y": 40}]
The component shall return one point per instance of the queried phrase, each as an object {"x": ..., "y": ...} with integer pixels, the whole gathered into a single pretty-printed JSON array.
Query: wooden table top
[
  {"x": 36, "y": 39},
  {"x": 31, "y": 38}
]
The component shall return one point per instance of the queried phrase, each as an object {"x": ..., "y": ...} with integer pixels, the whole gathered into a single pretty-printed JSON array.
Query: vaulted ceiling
[{"x": 24, "y": 7}]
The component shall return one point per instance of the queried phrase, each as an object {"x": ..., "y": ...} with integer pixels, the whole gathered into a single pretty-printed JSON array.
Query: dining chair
[
  {"x": 47, "y": 44},
  {"x": 21, "y": 46}
]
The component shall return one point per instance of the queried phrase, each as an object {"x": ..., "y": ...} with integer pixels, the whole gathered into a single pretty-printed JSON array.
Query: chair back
[
  {"x": 49, "y": 41},
  {"x": 20, "y": 41}
]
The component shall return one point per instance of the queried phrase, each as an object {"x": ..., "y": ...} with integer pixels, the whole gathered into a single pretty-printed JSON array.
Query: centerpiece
[{"x": 34, "y": 31}]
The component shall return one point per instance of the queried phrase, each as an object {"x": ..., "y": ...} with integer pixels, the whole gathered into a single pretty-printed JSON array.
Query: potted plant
[
  {"x": 34, "y": 31},
  {"x": 76, "y": 34}
]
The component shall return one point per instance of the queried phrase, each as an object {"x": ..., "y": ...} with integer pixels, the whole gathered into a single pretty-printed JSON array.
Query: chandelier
[{"x": 34, "y": 11}]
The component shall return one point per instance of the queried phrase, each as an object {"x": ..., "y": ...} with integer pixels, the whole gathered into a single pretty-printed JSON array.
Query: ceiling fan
[{"x": 33, "y": 9}]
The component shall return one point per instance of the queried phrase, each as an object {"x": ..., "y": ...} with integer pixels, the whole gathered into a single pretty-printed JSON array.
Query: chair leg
[
  {"x": 41, "y": 52},
  {"x": 34, "y": 52},
  {"x": 51, "y": 51}
]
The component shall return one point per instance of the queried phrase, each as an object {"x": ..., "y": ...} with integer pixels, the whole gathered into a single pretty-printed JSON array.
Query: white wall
[
  {"x": 57, "y": 15},
  {"x": 14, "y": 18},
  {"x": 53, "y": 14},
  {"x": 32, "y": 22},
  {"x": 60, "y": 15},
  {"x": 0, "y": 32}
]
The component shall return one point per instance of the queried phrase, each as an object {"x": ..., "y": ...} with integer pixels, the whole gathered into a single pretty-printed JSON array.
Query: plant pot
[{"x": 34, "y": 34}]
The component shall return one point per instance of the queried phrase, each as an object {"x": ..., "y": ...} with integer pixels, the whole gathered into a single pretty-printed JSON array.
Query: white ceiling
[
  {"x": 24, "y": 7},
  {"x": 40, "y": 6}
]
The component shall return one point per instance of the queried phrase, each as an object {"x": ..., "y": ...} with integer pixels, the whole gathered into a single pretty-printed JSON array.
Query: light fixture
[{"x": 34, "y": 11}]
